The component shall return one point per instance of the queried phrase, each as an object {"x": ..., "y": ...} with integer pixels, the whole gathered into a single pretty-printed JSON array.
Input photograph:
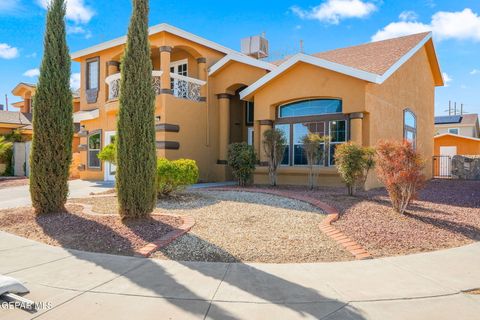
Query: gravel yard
[
  {"x": 75, "y": 230},
  {"x": 447, "y": 214},
  {"x": 241, "y": 226}
]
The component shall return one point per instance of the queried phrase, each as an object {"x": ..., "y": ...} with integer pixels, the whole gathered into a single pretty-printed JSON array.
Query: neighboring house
[
  {"x": 464, "y": 125},
  {"x": 209, "y": 96},
  {"x": 26, "y": 91}
]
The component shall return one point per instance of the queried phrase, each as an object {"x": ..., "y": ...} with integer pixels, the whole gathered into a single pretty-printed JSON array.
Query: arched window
[
  {"x": 313, "y": 107},
  {"x": 410, "y": 127}
]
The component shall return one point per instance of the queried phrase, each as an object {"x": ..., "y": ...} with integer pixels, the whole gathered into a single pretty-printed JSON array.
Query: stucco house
[{"x": 209, "y": 96}]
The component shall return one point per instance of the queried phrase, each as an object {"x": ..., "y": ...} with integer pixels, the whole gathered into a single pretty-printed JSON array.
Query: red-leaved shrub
[{"x": 399, "y": 167}]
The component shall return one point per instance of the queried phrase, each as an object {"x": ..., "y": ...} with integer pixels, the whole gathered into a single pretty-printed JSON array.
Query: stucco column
[
  {"x": 202, "y": 75},
  {"x": 223, "y": 126},
  {"x": 113, "y": 67},
  {"x": 264, "y": 126},
  {"x": 165, "y": 52},
  {"x": 356, "y": 127}
]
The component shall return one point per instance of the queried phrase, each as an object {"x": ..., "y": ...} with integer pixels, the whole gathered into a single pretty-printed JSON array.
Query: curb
[
  {"x": 359, "y": 252},
  {"x": 149, "y": 248}
]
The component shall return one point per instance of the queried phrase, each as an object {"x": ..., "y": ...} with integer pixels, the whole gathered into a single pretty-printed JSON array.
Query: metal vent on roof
[{"x": 448, "y": 119}]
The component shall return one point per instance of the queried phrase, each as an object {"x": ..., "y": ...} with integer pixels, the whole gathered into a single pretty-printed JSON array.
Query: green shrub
[
  {"x": 6, "y": 153},
  {"x": 242, "y": 160},
  {"x": 353, "y": 163},
  {"x": 175, "y": 175},
  {"x": 109, "y": 153}
]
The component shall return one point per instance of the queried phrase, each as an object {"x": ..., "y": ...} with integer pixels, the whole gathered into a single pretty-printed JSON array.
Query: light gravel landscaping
[{"x": 242, "y": 226}]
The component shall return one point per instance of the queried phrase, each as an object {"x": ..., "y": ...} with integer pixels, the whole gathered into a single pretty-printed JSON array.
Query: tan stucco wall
[{"x": 411, "y": 86}]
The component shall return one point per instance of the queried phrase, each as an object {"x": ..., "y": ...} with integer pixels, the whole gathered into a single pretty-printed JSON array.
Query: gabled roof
[
  {"x": 153, "y": 30},
  {"x": 24, "y": 86},
  {"x": 373, "y": 62},
  {"x": 242, "y": 59}
]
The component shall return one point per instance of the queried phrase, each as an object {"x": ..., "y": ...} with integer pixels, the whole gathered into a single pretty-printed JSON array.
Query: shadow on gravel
[{"x": 251, "y": 280}]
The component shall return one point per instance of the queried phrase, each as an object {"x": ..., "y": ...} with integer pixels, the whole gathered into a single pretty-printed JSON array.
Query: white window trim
[
  {"x": 179, "y": 62},
  {"x": 88, "y": 150},
  {"x": 337, "y": 142},
  {"x": 293, "y": 143}
]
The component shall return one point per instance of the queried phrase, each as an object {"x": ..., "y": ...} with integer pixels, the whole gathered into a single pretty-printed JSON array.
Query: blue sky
[{"x": 321, "y": 24}]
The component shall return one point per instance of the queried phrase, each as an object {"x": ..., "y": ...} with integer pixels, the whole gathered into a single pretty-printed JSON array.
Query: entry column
[
  {"x": 202, "y": 75},
  {"x": 356, "y": 127},
  {"x": 265, "y": 125},
  {"x": 165, "y": 52},
  {"x": 224, "y": 126}
]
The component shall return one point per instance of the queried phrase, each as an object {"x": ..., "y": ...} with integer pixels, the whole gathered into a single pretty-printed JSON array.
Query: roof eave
[{"x": 163, "y": 27}]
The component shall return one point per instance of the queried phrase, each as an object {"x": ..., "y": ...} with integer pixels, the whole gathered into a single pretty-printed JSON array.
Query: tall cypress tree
[
  {"x": 51, "y": 152},
  {"x": 136, "y": 150}
]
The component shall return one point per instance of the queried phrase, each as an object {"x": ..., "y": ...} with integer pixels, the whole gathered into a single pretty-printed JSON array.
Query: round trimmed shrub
[{"x": 175, "y": 175}]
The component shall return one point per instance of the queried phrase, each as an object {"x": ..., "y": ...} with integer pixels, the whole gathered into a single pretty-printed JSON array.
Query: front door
[
  {"x": 109, "y": 167},
  {"x": 446, "y": 154}
]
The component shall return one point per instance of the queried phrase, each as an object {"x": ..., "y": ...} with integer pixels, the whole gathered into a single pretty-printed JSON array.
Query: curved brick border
[
  {"x": 149, "y": 248},
  {"x": 326, "y": 226}
]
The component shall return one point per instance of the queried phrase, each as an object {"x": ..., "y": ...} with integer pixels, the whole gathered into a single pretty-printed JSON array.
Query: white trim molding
[
  {"x": 242, "y": 59},
  {"x": 340, "y": 68},
  {"x": 85, "y": 115},
  {"x": 456, "y": 136},
  {"x": 153, "y": 30}
]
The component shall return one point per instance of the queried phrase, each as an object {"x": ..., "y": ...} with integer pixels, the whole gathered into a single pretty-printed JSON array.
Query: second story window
[{"x": 92, "y": 77}]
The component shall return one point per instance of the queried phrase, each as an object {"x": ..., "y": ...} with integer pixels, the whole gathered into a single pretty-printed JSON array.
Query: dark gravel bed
[
  {"x": 446, "y": 214},
  {"x": 75, "y": 230}
]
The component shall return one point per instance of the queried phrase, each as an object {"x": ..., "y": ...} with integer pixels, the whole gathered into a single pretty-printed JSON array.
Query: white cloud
[
  {"x": 460, "y": 25},
  {"x": 446, "y": 79},
  {"x": 7, "y": 51},
  {"x": 79, "y": 30},
  {"x": 408, "y": 16},
  {"x": 475, "y": 71},
  {"x": 75, "y": 81},
  {"x": 77, "y": 11},
  {"x": 32, "y": 73},
  {"x": 332, "y": 11}
]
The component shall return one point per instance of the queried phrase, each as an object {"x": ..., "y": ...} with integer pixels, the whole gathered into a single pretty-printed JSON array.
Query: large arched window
[
  {"x": 410, "y": 127},
  {"x": 312, "y": 107},
  {"x": 320, "y": 116}
]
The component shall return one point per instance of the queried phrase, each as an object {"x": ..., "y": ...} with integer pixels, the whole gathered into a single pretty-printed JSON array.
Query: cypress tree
[
  {"x": 136, "y": 150},
  {"x": 51, "y": 152}
]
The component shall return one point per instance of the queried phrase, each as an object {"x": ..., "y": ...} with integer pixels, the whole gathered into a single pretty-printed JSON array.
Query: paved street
[{"x": 84, "y": 285}]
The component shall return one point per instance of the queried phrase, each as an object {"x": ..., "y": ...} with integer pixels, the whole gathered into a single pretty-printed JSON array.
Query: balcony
[{"x": 182, "y": 87}]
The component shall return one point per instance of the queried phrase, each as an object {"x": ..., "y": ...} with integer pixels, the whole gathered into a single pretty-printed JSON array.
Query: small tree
[
  {"x": 51, "y": 153},
  {"x": 400, "y": 168},
  {"x": 274, "y": 144},
  {"x": 242, "y": 160},
  {"x": 353, "y": 163},
  {"x": 109, "y": 153},
  {"x": 136, "y": 149},
  {"x": 312, "y": 147}
]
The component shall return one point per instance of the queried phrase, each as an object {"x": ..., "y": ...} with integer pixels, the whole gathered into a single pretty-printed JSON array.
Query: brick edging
[
  {"x": 149, "y": 248},
  {"x": 359, "y": 252}
]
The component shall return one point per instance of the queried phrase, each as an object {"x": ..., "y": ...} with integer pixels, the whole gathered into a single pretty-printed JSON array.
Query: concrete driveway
[
  {"x": 20, "y": 196},
  {"x": 81, "y": 285}
]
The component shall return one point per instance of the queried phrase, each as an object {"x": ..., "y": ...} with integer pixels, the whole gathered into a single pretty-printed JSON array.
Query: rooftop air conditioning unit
[{"x": 255, "y": 46}]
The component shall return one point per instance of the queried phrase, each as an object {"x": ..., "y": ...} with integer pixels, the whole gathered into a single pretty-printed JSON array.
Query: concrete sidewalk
[
  {"x": 82, "y": 285},
  {"x": 15, "y": 197}
]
